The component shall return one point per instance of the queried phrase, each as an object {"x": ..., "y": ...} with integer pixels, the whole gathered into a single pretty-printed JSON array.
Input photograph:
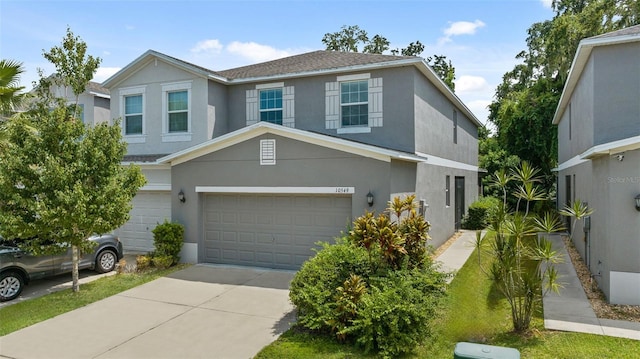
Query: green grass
[
  {"x": 32, "y": 311},
  {"x": 473, "y": 312}
]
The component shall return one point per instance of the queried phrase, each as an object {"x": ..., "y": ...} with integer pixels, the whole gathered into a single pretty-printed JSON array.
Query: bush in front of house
[
  {"x": 376, "y": 287},
  {"x": 167, "y": 239},
  {"x": 478, "y": 213}
]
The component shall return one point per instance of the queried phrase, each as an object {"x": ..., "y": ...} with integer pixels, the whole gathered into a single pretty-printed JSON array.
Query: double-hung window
[
  {"x": 133, "y": 115},
  {"x": 271, "y": 105},
  {"x": 354, "y": 103},
  {"x": 178, "y": 111}
]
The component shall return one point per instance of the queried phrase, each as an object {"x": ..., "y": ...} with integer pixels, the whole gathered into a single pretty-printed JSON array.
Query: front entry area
[{"x": 270, "y": 230}]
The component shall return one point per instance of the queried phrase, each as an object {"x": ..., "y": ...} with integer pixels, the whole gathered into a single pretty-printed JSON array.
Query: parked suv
[{"x": 18, "y": 268}]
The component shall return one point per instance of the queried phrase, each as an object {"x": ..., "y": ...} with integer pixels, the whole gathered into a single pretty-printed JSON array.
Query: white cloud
[
  {"x": 104, "y": 73},
  {"x": 546, "y": 3},
  {"x": 469, "y": 83},
  {"x": 256, "y": 52},
  {"x": 460, "y": 28},
  {"x": 212, "y": 46}
]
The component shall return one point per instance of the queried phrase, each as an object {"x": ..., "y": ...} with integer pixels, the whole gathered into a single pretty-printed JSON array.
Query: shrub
[
  {"x": 478, "y": 214},
  {"x": 315, "y": 286},
  {"x": 168, "y": 238},
  {"x": 376, "y": 286},
  {"x": 395, "y": 315},
  {"x": 162, "y": 262},
  {"x": 143, "y": 262}
]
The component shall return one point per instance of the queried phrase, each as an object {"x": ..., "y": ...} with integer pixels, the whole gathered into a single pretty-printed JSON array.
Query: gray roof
[
  {"x": 309, "y": 62},
  {"x": 142, "y": 158},
  {"x": 631, "y": 30},
  {"x": 96, "y": 87}
]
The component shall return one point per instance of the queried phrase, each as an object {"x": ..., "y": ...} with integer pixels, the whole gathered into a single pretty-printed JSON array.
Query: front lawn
[
  {"x": 29, "y": 312},
  {"x": 476, "y": 313}
]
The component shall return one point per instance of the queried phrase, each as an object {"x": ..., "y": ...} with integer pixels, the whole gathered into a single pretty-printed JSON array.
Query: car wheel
[
  {"x": 11, "y": 284},
  {"x": 106, "y": 261}
]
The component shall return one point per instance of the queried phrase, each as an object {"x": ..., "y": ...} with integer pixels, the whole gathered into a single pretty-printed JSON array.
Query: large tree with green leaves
[
  {"x": 62, "y": 181},
  {"x": 354, "y": 39},
  {"x": 526, "y": 100}
]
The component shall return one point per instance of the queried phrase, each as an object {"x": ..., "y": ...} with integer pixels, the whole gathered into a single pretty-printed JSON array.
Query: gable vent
[{"x": 267, "y": 152}]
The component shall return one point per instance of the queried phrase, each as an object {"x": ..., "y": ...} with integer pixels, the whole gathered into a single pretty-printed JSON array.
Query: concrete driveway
[{"x": 204, "y": 311}]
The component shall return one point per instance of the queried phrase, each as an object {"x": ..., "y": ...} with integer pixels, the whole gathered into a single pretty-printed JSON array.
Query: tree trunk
[{"x": 74, "y": 271}]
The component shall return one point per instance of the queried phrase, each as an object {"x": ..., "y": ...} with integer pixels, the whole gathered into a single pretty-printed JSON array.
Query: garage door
[
  {"x": 273, "y": 231},
  {"x": 149, "y": 209}
]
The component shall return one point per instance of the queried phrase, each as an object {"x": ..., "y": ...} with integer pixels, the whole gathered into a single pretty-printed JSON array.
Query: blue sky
[{"x": 480, "y": 37}]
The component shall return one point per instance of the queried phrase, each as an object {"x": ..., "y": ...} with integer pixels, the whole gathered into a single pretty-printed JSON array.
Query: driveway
[{"x": 204, "y": 311}]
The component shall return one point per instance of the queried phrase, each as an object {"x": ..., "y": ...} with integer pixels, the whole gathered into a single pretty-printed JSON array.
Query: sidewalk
[{"x": 569, "y": 310}]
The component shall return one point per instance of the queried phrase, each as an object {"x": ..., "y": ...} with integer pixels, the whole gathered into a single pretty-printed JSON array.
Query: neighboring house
[
  {"x": 261, "y": 162},
  {"x": 94, "y": 101},
  {"x": 598, "y": 121}
]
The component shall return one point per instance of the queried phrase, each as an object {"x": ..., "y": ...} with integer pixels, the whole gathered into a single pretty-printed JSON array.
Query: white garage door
[
  {"x": 274, "y": 231},
  {"x": 149, "y": 209}
]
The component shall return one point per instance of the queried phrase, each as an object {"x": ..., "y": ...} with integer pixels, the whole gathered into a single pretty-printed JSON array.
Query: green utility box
[{"x": 465, "y": 350}]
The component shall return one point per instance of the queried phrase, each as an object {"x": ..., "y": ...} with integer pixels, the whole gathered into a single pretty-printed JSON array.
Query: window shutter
[
  {"x": 332, "y": 105},
  {"x": 375, "y": 102},
  {"x": 288, "y": 107},
  {"x": 252, "y": 107}
]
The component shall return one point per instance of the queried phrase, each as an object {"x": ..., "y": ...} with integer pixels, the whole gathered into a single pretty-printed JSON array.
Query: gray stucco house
[
  {"x": 261, "y": 162},
  {"x": 598, "y": 121}
]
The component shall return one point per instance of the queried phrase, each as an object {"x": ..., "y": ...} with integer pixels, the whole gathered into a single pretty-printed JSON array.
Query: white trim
[
  {"x": 577, "y": 160},
  {"x": 175, "y": 136},
  {"x": 443, "y": 162},
  {"x": 156, "y": 187},
  {"x": 136, "y": 138},
  {"x": 268, "y": 152},
  {"x": 610, "y": 148},
  {"x": 131, "y": 91},
  {"x": 98, "y": 94},
  {"x": 354, "y": 129},
  {"x": 276, "y": 190},
  {"x": 269, "y": 86},
  {"x": 260, "y": 128},
  {"x": 353, "y": 77}
]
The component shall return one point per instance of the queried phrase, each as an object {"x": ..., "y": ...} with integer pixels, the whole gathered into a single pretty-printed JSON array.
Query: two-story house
[
  {"x": 598, "y": 121},
  {"x": 261, "y": 162}
]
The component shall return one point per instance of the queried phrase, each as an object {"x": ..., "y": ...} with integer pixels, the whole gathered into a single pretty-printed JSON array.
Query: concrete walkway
[
  {"x": 570, "y": 310},
  {"x": 203, "y": 311}
]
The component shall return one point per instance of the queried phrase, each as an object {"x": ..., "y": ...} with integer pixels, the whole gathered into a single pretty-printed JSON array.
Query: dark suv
[{"x": 18, "y": 268}]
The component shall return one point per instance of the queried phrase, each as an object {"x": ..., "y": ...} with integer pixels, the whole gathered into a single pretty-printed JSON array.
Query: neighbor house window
[
  {"x": 176, "y": 115},
  {"x": 354, "y": 103},
  {"x": 178, "y": 111},
  {"x": 133, "y": 115},
  {"x": 271, "y": 105}
]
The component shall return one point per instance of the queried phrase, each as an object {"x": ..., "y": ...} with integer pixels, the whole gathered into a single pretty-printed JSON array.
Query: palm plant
[
  {"x": 522, "y": 266},
  {"x": 10, "y": 90},
  {"x": 577, "y": 210}
]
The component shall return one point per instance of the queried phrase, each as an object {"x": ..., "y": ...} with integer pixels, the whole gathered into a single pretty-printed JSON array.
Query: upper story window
[
  {"x": 178, "y": 111},
  {"x": 271, "y": 105},
  {"x": 354, "y": 103},
  {"x": 132, "y": 112},
  {"x": 271, "y": 102},
  {"x": 176, "y": 114},
  {"x": 133, "y": 115}
]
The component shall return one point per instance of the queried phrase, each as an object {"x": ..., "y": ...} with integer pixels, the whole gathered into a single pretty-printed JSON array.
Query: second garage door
[{"x": 273, "y": 231}]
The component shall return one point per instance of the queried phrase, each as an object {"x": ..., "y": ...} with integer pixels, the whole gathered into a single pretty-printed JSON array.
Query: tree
[
  {"x": 354, "y": 39},
  {"x": 10, "y": 96},
  {"x": 526, "y": 100},
  {"x": 62, "y": 182}
]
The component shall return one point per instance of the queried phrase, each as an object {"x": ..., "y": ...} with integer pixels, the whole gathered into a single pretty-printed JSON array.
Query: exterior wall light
[
  {"x": 638, "y": 202},
  {"x": 370, "y": 199},
  {"x": 181, "y": 197}
]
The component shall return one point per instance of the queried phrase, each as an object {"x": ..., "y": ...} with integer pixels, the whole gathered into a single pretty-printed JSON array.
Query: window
[
  {"x": 176, "y": 114},
  {"x": 447, "y": 191},
  {"x": 354, "y": 97},
  {"x": 455, "y": 126},
  {"x": 271, "y": 106},
  {"x": 133, "y": 115},
  {"x": 178, "y": 111}
]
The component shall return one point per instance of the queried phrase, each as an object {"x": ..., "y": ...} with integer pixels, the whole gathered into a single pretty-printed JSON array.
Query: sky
[{"x": 480, "y": 37}]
